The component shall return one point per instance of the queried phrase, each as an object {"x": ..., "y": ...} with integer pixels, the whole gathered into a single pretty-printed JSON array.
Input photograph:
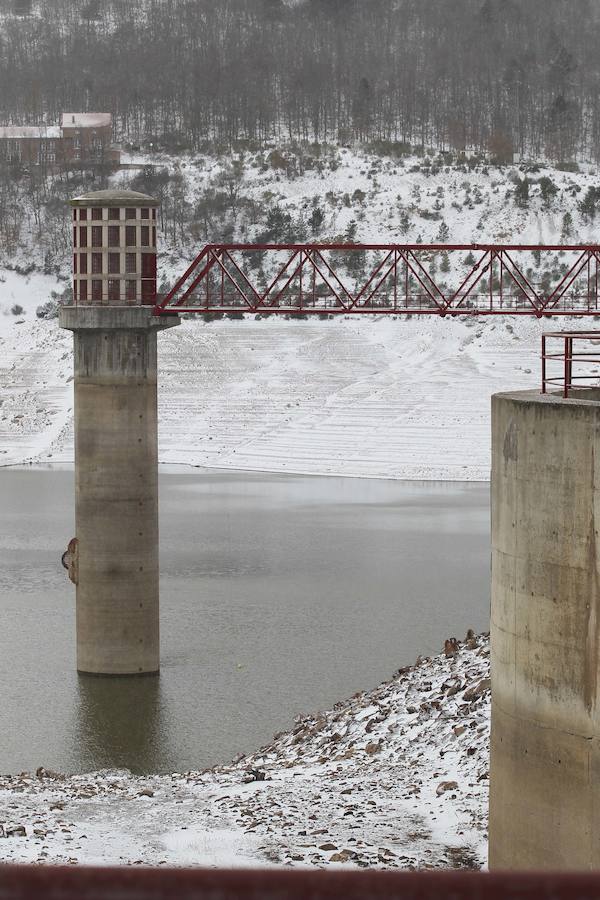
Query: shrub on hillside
[
  {"x": 48, "y": 310},
  {"x": 548, "y": 190}
]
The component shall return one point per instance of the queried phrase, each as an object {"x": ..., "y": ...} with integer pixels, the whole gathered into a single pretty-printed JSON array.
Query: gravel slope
[{"x": 391, "y": 778}]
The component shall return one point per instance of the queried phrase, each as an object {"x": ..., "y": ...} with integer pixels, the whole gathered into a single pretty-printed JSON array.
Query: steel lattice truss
[{"x": 415, "y": 279}]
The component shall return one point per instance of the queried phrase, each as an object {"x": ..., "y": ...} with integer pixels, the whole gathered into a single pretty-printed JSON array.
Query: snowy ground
[
  {"x": 370, "y": 397},
  {"x": 396, "y": 777},
  {"x": 395, "y": 399}
]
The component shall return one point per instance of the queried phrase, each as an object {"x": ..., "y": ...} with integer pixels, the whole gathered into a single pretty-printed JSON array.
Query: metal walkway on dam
[{"x": 379, "y": 279}]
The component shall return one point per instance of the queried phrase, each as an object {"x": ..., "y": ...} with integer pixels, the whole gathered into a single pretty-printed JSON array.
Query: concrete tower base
[
  {"x": 116, "y": 482},
  {"x": 545, "y": 753}
]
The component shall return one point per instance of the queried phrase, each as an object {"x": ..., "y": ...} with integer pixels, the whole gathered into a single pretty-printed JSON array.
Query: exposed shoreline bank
[
  {"x": 196, "y": 469},
  {"x": 391, "y": 778}
]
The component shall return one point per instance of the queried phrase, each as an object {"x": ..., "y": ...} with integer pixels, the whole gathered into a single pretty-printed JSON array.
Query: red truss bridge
[{"x": 382, "y": 279}]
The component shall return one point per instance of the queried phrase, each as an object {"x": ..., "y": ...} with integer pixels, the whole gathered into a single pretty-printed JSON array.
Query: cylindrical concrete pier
[
  {"x": 545, "y": 751},
  {"x": 116, "y": 453}
]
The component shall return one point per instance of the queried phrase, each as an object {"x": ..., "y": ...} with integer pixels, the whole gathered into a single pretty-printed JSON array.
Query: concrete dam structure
[
  {"x": 114, "y": 558},
  {"x": 545, "y": 615},
  {"x": 545, "y": 750}
]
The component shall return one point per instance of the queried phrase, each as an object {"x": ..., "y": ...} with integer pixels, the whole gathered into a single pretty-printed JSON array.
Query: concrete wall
[
  {"x": 116, "y": 461},
  {"x": 545, "y": 759}
]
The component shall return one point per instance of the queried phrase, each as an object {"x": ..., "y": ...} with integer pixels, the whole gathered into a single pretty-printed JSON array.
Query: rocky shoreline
[{"x": 396, "y": 777}]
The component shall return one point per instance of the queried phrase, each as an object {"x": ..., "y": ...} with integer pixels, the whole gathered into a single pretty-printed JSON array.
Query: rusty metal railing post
[
  {"x": 543, "y": 364},
  {"x": 568, "y": 365}
]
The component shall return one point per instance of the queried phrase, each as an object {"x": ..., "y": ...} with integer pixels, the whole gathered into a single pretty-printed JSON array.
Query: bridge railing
[{"x": 571, "y": 363}]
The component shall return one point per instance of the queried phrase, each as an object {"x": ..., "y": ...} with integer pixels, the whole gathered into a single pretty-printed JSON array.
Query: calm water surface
[{"x": 279, "y": 595}]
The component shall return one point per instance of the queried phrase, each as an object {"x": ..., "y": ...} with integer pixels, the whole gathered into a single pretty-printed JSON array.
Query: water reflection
[{"x": 121, "y": 723}]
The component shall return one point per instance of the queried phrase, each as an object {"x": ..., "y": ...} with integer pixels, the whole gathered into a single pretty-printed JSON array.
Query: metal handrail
[{"x": 565, "y": 380}]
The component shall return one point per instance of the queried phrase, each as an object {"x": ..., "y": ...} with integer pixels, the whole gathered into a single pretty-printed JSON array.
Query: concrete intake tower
[
  {"x": 114, "y": 558},
  {"x": 545, "y": 740}
]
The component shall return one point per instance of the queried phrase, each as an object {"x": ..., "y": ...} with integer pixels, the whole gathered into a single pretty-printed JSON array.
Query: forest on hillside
[{"x": 505, "y": 76}]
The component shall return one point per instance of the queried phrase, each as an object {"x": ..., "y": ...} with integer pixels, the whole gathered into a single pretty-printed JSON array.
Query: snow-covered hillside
[
  {"x": 232, "y": 196},
  {"x": 393, "y": 778},
  {"x": 477, "y": 203},
  {"x": 364, "y": 196},
  {"x": 400, "y": 398}
]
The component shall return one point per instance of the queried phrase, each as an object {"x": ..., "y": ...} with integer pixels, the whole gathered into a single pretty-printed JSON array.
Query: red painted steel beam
[
  {"x": 384, "y": 279},
  {"x": 127, "y": 883},
  {"x": 440, "y": 248}
]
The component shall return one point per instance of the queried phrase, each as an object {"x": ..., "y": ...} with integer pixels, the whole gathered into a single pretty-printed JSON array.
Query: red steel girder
[
  {"x": 380, "y": 279},
  {"x": 138, "y": 883}
]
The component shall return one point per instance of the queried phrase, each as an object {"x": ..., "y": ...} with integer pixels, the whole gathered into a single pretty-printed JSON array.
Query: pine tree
[
  {"x": 521, "y": 193},
  {"x": 299, "y": 229},
  {"x": 567, "y": 227},
  {"x": 404, "y": 222},
  {"x": 443, "y": 233},
  {"x": 354, "y": 260},
  {"x": 587, "y": 207},
  {"x": 350, "y": 232},
  {"x": 278, "y": 226},
  {"x": 548, "y": 190},
  {"x": 316, "y": 220}
]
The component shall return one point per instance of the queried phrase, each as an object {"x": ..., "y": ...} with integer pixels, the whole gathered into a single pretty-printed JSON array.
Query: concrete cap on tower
[{"x": 114, "y": 198}]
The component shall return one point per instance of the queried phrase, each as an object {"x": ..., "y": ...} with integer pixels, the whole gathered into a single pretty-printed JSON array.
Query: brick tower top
[{"x": 114, "y": 248}]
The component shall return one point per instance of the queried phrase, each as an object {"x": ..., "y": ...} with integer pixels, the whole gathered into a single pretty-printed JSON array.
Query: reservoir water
[{"x": 279, "y": 595}]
